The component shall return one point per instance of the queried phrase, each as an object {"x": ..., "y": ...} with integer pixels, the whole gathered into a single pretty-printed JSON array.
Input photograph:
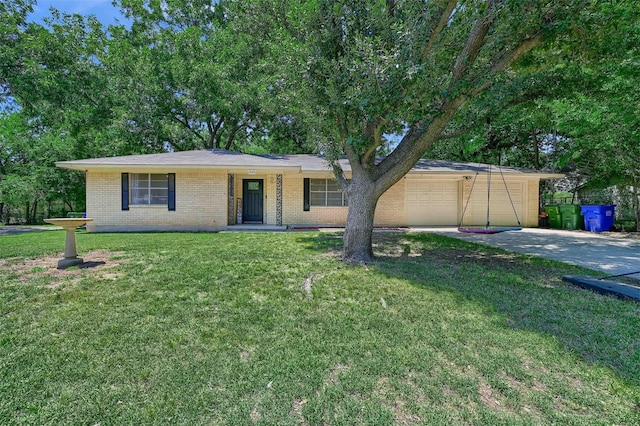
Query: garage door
[
  {"x": 500, "y": 209},
  {"x": 431, "y": 202}
]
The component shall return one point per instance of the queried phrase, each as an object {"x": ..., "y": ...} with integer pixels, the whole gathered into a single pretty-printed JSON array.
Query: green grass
[{"x": 219, "y": 329}]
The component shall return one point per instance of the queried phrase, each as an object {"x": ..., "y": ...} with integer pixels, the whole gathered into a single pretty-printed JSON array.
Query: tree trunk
[
  {"x": 636, "y": 204},
  {"x": 359, "y": 230},
  {"x": 214, "y": 139},
  {"x": 232, "y": 135},
  {"x": 536, "y": 147},
  {"x": 34, "y": 211}
]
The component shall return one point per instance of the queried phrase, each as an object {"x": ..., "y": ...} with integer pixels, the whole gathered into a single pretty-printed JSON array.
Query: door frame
[{"x": 245, "y": 184}]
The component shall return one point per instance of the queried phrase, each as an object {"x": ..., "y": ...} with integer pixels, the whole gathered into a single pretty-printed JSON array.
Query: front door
[{"x": 252, "y": 200}]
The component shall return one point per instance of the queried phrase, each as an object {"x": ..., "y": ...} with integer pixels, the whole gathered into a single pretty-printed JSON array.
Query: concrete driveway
[
  {"x": 606, "y": 253},
  {"x": 21, "y": 229}
]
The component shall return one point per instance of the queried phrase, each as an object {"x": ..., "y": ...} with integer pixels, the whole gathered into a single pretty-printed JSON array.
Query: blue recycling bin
[{"x": 598, "y": 218}]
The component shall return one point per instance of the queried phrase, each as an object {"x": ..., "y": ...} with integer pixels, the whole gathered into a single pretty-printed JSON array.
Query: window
[
  {"x": 326, "y": 192},
  {"x": 149, "y": 188}
]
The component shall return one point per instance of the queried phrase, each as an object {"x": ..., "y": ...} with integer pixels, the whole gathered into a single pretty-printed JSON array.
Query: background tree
[
  {"x": 55, "y": 109},
  {"x": 30, "y": 184},
  {"x": 581, "y": 118},
  {"x": 602, "y": 124},
  {"x": 198, "y": 80},
  {"x": 177, "y": 79}
]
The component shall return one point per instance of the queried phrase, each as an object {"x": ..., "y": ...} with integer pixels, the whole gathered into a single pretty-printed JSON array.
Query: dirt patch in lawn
[
  {"x": 396, "y": 247},
  {"x": 98, "y": 263}
]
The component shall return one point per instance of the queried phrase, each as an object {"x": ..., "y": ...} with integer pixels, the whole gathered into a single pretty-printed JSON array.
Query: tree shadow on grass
[
  {"x": 91, "y": 264},
  {"x": 527, "y": 291}
]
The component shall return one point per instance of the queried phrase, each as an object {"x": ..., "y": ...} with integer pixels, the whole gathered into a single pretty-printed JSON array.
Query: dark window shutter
[
  {"x": 172, "y": 191},
  {"x": 307, "y": 194},
  {"x": 125, "y": 191}
]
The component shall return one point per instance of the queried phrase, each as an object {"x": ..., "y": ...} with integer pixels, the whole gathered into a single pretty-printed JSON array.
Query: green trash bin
[
  {"x": 555, "y": 219},
  {"x": 76, "y": 215},
  {"x": 571, "y": 216}
]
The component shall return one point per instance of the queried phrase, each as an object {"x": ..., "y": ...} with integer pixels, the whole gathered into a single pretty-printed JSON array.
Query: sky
[{"x": 101, "y": 9}]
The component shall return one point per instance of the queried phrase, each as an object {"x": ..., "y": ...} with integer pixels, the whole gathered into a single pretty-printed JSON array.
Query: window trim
[
  {"x": 326, "y": 192},
  {"x": 126, "y": 182},
  {"x": 136, "y": 178}
]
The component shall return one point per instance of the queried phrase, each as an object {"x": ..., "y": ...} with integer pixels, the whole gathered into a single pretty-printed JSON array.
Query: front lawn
[{"x": 271, "y": 328}]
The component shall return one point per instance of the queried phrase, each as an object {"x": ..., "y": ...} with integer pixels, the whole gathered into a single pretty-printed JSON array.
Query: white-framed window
[
  {"x": 326, "y": 192},
  {"x": 149, "y": 189}
]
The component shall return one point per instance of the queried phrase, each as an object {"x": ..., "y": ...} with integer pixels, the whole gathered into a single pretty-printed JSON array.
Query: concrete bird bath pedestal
[{"x": 70, "y": 254}]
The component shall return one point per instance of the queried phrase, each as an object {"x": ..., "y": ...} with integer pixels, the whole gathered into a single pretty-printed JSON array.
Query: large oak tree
[{"x": 370, "y": 68}]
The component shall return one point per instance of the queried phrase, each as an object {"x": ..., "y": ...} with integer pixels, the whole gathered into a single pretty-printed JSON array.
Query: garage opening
[{"x": 432, "y": 202}]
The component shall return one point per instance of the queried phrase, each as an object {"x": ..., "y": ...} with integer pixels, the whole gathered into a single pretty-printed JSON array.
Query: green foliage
[
  {"x": 28, "y": 175},
  {"x": 180, "y": 78},
  {"x": 203, "y": 87},
  {"x": 574, "y": 109},
  {"x": 344, "y": 78}
]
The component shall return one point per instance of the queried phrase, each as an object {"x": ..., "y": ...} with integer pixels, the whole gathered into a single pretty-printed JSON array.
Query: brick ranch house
[{"x": 212, "y": 189}]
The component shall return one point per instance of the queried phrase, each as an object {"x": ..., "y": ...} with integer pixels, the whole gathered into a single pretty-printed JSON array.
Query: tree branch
[
  {"x": 185, "y": 123},
  {"x": 213, "y": 131},
  {"x": 511, "y": 56},
  {"x": 236, "y": 127},
  {"x": 344, "y": 134},
  {"x": 444, "y": 18},
  {"x": 472, "y": 47},
  {"x": 374, "y": 130},
  {"x": 506, "y": 61},
  {"x": 457, "y": 133},
  {"x": 335, "y": 162},
  {"x": 339, "y": 173},
  {"x": 414, "y": 144}
]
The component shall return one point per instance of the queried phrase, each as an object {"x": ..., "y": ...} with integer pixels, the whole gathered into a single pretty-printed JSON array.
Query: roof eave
[
  {"x": 538, "y": 175},
  {"x": 86, "y": 166},
  {"x": 82, "y": 166}
]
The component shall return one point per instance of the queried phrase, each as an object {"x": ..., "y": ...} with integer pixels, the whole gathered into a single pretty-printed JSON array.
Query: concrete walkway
[
  {"x": 612, "y": 255},
  {"x": 21, "y": 229}
]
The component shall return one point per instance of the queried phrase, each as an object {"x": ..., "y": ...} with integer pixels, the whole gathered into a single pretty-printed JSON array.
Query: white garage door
[
  {"x": 431, "y": 202},
  {"x": 500, "y": 209}
]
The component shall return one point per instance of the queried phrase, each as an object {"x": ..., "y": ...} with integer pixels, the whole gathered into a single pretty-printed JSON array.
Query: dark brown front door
[{"x": 252, "y": 196}]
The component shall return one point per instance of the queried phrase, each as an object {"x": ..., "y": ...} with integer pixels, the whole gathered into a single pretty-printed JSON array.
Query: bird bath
[{"x": 70, "y": 254}]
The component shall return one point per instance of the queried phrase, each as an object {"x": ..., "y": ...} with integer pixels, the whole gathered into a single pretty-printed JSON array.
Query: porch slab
[{"x": 254, "y": 227}]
